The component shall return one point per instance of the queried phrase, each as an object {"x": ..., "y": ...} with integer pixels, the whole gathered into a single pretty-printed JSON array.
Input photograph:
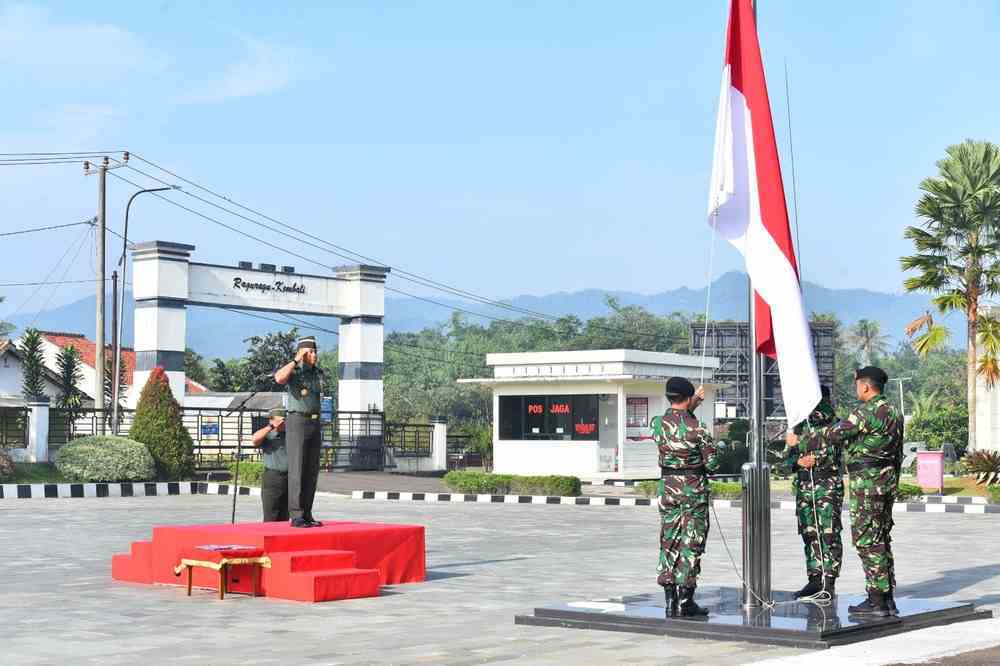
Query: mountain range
[{"x": 216, "y": 333}]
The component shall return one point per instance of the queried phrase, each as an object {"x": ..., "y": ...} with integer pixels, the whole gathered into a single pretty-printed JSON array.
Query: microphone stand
[{"x": 239, "y": 447}]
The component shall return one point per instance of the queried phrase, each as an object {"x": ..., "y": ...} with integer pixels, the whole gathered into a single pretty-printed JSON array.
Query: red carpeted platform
[{"x": 341, "y": 560}]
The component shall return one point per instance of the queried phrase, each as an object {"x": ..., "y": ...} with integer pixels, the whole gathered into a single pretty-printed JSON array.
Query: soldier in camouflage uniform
[
  {"x": 819, "y": 495},
  {"x": 872, "y": 437},
  {"x": 687, "y": 454}
]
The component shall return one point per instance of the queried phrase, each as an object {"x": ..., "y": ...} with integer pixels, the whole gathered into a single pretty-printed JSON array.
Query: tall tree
[
  {"x": 225, "y": 376},
  {"x": 69, "y": 366},
  {"x": 194, "y": 367},
  {"x": 33, "y": 379},
  {"x": 958, "y": 249},
  {"x": 868, "y": 341},
  {"x": 109, "y": 371},
  {"x": 6, "y": 328},
  {"x": 265, "y": 354}
]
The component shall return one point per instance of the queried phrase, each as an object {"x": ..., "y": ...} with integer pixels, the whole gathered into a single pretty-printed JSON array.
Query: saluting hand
[
  {"x": 807, "y": 461},
  {"x": 300, "y": 354}
]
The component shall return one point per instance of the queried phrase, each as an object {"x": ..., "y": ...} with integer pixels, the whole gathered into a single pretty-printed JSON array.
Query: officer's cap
[
  {"x": 277, "y": 412},
  {"x": 873, "y": 374},
  {"x": 308, "y": 342},
  {"x": 678, "y": 387}
]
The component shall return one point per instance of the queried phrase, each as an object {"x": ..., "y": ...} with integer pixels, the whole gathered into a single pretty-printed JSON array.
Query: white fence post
[
  {"x": 38, "y": 430},
  {"x": 439, "y": 444}
]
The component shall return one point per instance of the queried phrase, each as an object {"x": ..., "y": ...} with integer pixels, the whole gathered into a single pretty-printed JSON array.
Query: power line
[
  {"x": 89, "y": 221},
  {"x": 46, "y": 279},
  {"x": 35, "y": 284},
  {"x": 426, "y": 282},
  {"x": 38, "y": 313},
  {"x": 84, "y": 153}
]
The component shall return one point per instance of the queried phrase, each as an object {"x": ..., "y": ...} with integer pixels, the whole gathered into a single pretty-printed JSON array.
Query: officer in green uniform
[
  {"x": 303, "y": 380},
  {"x": 687, "y": 454},
  {"x": 274, "y": 484},
  {"x": 872, "y": 437},
  {"x": 819, "y": 500}
]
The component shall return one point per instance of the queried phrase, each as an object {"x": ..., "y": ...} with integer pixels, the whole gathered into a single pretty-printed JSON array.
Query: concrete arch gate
[{"x": 165, "y": 281}]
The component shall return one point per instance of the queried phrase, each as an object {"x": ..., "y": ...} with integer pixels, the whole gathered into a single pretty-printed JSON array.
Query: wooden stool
[{"x": 220, "y": 558}]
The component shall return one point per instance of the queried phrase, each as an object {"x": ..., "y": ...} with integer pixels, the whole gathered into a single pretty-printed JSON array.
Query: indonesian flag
[{"x": 746, "y": 206}]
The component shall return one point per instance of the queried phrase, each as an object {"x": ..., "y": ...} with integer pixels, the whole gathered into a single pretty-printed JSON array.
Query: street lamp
[{"x": 121, "y": 307}]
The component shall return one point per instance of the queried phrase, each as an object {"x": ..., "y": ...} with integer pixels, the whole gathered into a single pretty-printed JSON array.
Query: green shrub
[
  {"x": 718, "y": 489},
  {"x": 158, "y": 425},
  {"x": 6, "y": 467},
  {"x": 994, "y": 492},
  {"x": 908, "y": 491},
  {"x": 251, "y": 473},
  {"x": 105, "y": 458},
  {"x": 503, "y": 484}
]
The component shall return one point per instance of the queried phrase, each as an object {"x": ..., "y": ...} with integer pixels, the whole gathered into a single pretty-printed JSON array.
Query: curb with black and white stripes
[
  {"x": 927, "y": 505},
  {"x": 56, "y": 490}
]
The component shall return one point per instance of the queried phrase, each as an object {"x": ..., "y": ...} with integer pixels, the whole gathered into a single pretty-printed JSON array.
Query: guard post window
[
  {"x": 552, "y": 417},
  {"x": 636, "y": 412}
]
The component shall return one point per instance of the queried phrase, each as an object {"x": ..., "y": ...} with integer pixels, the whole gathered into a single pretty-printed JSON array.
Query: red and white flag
[{"x": 746, "y": 206}]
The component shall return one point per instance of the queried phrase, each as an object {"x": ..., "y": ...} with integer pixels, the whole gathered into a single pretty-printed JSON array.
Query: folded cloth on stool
[{"x": 214, "y": 556}]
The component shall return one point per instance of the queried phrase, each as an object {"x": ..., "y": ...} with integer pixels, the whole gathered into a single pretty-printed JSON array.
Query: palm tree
[
  {"x": 869, "y": 341},
  {"x": 958, "y": 255}
]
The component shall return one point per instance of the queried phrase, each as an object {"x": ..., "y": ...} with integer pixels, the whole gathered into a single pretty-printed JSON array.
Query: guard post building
[{"x": 586, "y": 413}]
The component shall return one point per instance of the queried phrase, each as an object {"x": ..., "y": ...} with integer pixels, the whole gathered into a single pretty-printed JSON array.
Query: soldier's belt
[
  {"x": 306, "y": 415},
  {"x": 673, "y": 471},
  {"x": 862, "y": 464},
  {"x": 819, "y": 474}
]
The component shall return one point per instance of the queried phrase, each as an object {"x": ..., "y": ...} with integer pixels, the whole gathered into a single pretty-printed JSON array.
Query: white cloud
[
  {"x": 265, "y": 69},
  {"x": 31, "y": 37}
]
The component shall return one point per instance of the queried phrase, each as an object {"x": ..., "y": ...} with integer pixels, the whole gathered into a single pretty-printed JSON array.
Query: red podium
[{"x": 341, "y": 560}]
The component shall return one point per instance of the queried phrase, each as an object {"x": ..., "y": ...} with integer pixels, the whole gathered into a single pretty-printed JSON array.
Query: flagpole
[{"x": 756, "y": 473}]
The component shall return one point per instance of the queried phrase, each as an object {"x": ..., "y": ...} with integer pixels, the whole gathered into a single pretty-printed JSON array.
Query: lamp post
[{"x": 121, "y": 308}]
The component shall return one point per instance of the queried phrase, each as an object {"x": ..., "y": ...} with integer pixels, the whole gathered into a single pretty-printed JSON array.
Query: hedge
[
  {"x": 251, "y": 472},
  {"x": 7, "y": 469},
  {"x": 717, "y": 489},
  {"x": 505, "y": 484},
  {"x": 994, "y": 492},
  {"x": 158, "y": 424},
  {"x": 908, "y": 491},
  {"x": 105, "y": 458}
]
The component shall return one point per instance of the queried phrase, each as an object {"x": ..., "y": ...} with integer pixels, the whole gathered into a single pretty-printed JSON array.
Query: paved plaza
[{"x": 485, "y": 563}]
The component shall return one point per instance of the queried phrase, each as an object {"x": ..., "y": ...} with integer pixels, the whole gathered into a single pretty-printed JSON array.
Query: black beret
[
  {"x": 308, "y": 342},
  {"x": 876, "y": 375},
  {"x": 680, "y": 387}
]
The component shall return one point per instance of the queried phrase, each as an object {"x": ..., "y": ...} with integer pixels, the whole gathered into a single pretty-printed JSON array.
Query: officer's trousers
[
  {"x": 274, "y": 495},
  {"x": 303, "y": 439}
]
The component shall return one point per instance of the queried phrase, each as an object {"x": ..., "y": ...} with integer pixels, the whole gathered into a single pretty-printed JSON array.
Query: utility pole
[
  {"x": 102, "y": 184},
  {"x": 114, "y": 345},
  {"x": 902, "y": 404},
  {"x": 102, "y": 230}
]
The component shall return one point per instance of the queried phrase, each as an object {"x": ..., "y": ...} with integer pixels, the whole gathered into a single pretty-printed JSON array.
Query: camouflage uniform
[
  {"x": 685, "y": 445},
  {"x": 824, "y": 490},
  {"x": 872, "y": 437}
]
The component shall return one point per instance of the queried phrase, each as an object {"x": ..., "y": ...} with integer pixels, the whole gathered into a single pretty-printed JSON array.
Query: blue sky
[{"x": 507, "y": 148}]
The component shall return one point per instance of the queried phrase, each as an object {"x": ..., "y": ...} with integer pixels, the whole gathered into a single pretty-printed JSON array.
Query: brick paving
[{"x": 486, "y": 563}]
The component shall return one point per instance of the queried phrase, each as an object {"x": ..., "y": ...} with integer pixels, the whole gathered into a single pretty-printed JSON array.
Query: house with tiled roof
[
  {"x": 53, "y": 341},
  {"x": 12, "y": 377}
]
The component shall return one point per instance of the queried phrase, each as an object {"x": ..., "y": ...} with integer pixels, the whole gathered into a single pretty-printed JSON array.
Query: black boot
[
  {"x": 874, "y": 606},
  {"x": 890, "y": 603},
  {"x": 688, "y": 607},
  {"x": 670, "y": 599},
  {"x": 830, "y": 585},
  {"x": 814, "y": 585}
]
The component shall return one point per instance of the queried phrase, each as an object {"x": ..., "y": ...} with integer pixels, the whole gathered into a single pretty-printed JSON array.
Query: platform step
[
  {"x": 314, "y": 560},
  {"x": 333, "y": 584},
  {"x": 136, "y": 566}
]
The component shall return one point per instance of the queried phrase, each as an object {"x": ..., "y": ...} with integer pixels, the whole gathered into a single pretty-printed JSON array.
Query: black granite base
[{"x": 791, "y": 624}]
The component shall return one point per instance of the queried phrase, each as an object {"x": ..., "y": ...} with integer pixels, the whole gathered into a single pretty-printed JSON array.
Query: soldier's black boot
[
  {"x": 814, "y": 585},
  {"x": 890, "y": 603},
  {"x": 830, "y": 585},
  {"x": 670, "y": 599},
  {"x": 688, "y": 607},
  {"x": 874, "y": 606}
]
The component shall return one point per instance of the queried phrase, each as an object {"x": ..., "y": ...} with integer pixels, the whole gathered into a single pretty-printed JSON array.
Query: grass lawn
[{"x": 36, "y": 473}]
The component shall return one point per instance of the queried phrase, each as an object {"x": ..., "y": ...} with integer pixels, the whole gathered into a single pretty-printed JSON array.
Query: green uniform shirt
[
  {"x": 274, "y": 452},
  {"x": 304, "y": 389}
]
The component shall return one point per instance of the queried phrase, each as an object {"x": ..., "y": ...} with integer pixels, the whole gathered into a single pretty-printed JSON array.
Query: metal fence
[
  {"x": 350, "y": 441},
  {"x": 354, "y": 441},
  {"x": 13, "y": 427},
  {"x": 409, "y": 440},
  {"x": 458, "y": 443}
]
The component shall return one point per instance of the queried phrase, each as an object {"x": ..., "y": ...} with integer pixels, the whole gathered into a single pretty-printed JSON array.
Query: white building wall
[{"x": 12, "y": 376}]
